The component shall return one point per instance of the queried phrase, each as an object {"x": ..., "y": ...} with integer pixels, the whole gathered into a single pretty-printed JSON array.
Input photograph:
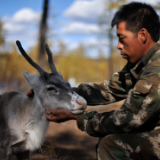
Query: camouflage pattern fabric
[
  {"x": 137, "y": 122},
  {"x": 140, "y": 146}
]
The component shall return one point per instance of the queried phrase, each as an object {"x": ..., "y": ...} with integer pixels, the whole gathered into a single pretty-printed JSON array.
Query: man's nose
[{"x": 120, "y": 46}]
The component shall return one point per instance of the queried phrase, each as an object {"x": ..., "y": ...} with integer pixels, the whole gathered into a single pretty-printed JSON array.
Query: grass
[{"x": 48, "y": 151}]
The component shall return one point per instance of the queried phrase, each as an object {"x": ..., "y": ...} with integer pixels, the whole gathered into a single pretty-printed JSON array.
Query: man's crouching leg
[
  {"x": 130, "y": 146},
  {"x": 110, "y": 149}
]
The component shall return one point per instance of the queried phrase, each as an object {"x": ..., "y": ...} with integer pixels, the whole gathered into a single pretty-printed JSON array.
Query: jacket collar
[{"x": 140, "y": 66}]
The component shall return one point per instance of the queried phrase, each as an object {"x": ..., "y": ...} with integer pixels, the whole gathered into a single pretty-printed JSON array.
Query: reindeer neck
[{"x": 34, "y": 103}]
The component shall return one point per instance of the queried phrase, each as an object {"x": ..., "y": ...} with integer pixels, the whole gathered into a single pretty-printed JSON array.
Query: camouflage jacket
[{"x": 139, "y": 85}]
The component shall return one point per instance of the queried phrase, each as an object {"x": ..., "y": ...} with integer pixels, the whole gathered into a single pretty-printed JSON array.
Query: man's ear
[{"x": 143, "y": 34}]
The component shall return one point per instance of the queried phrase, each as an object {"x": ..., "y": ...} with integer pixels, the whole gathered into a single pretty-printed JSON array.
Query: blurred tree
[
  {"x": 75, "y": 64},
  {"x": 63, "y": 48},
  {"x": 1, "y": 43},
  {"x": 157, "y": 7},
  {"x": 2, "y": 38},
  {"x": 106, "y": 30},
  {"x": 13, "y": 64},
  {"x": 70, "y": 64}
]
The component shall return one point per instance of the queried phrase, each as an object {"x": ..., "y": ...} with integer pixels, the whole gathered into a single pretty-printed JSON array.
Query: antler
[
  {"x": 50, "y": 60},
  {"x": 29, "y": 59}
]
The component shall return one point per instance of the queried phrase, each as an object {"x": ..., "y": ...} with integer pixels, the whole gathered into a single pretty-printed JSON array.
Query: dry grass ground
[{"x": 69, "y": 142}]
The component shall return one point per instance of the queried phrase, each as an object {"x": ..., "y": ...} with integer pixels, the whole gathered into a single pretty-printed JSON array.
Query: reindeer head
[{"x": 50, "y": 88}]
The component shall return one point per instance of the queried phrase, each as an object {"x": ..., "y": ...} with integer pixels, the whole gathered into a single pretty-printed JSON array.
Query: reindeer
[{"x": 22, "y": 119}]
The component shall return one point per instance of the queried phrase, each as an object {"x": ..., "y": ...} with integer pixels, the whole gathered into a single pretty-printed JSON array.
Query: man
[{"x": 133, "y": 131}]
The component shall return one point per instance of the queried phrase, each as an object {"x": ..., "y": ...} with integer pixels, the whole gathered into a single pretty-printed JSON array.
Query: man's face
[{"x": 129, "y": 44}]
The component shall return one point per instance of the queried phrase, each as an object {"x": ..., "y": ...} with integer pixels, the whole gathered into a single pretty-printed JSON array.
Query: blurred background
[{"x": 84, "y": 50}]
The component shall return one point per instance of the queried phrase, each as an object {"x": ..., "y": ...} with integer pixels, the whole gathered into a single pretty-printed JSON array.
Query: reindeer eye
[{"x": 51, "y": 89}]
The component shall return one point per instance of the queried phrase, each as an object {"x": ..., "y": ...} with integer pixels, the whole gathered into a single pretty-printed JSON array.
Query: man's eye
[{"x": 121, "y": 39}]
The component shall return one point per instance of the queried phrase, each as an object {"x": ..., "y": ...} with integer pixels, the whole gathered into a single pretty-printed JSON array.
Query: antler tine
[
  {"x": 50, "y": 60},
  {"x": 29, "y": 59}
]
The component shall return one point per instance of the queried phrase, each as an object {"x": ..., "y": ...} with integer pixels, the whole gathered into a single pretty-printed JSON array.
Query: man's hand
[
  {"x": 59, "y": 115},
  {"x": 30, "y": 93}
]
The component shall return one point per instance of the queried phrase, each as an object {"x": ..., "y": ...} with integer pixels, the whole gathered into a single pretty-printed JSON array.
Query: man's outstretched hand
[
  {"x": 30, "y": 93},
  {"x": 59, "y": 115}
]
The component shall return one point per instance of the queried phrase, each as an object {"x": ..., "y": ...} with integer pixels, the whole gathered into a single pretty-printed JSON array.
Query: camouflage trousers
[{"x": 141, "y": 146}]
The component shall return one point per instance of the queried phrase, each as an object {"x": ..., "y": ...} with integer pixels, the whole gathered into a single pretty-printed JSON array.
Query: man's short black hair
[{"x": 138, "y": 15}]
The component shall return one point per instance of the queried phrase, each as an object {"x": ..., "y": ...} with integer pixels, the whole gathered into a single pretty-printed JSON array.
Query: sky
[{"x": 74, "y": 22}]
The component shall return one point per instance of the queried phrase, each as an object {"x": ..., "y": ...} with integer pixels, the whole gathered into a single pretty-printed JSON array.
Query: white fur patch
[
  {"x": 36, "y": 135},
  {"x": 29, "y": 130}
]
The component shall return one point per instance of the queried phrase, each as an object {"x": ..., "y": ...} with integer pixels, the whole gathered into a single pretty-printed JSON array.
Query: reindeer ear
[
  {"x": 59, "y": 73},
  {"x": 32, "y": 80}
]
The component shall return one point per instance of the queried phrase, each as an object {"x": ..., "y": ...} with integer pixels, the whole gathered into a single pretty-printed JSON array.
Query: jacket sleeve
[
  {"x": 106, "y": 92},
  {"x": 139, "y": 109}
]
